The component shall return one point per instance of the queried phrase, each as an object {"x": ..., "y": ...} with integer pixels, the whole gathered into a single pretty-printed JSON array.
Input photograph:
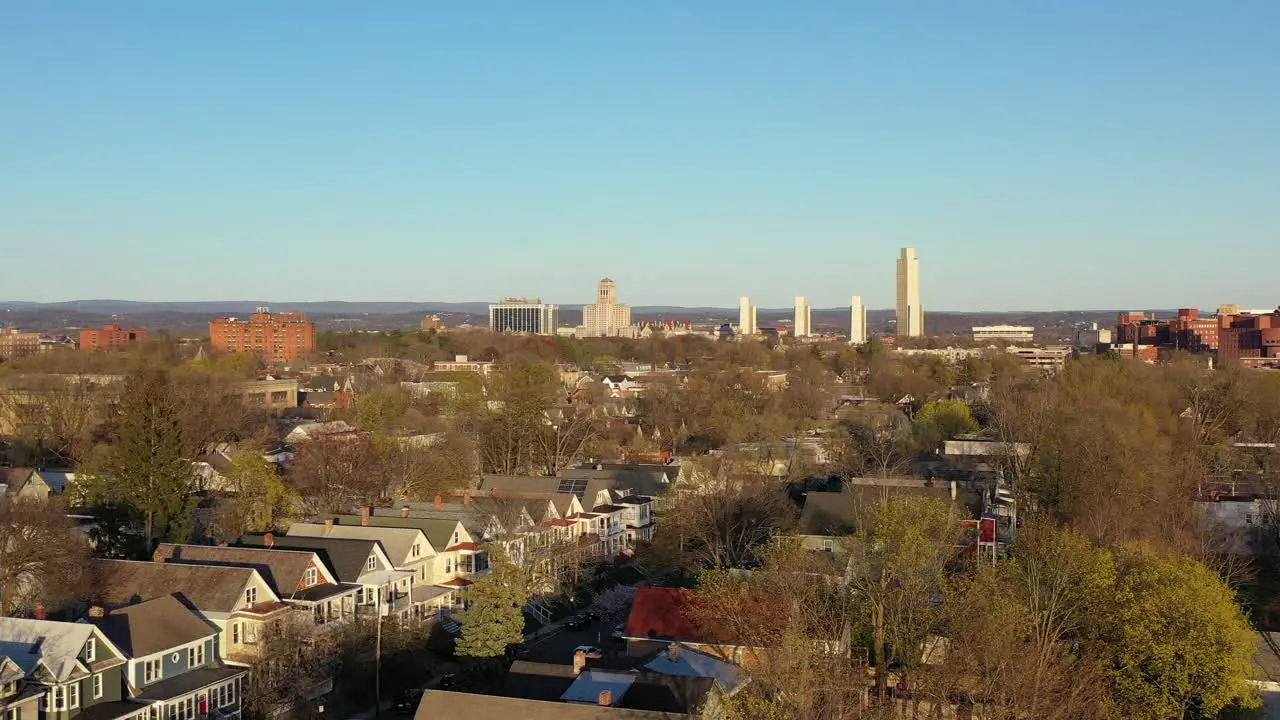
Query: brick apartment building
[
  {"x": 1250, "y": 339},
  {"x": 278, "y": 337},
  {"x": 110, "y": 337},
  {"x": 15, "y": 344}
]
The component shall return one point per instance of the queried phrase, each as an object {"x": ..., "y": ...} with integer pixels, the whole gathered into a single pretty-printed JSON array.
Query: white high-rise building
[
  {"x": 857, "y": 321},
  {"x": 803, "y": 326},
  {"x": 524, "y": 315},
  {"x": 910, "y": 311},
  {"x": 606, "y": 317},
  {"x": 746, "y": 317}
]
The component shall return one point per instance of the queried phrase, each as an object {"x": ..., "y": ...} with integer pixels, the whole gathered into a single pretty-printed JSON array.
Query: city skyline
[{"x": 423, "y": 152}]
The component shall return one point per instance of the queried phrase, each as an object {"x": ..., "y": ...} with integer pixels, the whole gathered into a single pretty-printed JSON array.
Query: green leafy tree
[
  {"x": 144, "y": 467},
  {"x": 260, "y": 499},
  {"x": 896, "y": 568},
  {"x": 942, "y": 420},
  {"x": 1179, "y": 643},
  {"x": 495, "y": 618}
]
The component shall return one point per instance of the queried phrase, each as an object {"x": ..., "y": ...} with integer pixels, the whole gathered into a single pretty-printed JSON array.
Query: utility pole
[{"x": 377, "y": 661}]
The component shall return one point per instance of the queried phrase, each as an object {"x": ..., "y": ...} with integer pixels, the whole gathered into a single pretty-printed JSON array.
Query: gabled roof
[
  {"x": 439, "y": 532},
  {"x": 444, "y": 703},
  {"x": 583, "y": 486},
  {"x": 56, "y": 479},
  {"x": 687, "y": 662},
  {"x": 396, "y": 542},
  {"x": 209, "y": 588},
  {"x": 15, "y": 478},
  {"x": 838, "y": 513},
  {"x": 154, "y": 626},
  {"x": 346, "y": 558},
  {"x": 48, "y": 644},
  {"x": 284, "y": 570},
  {"x": 638, "y": 479}
]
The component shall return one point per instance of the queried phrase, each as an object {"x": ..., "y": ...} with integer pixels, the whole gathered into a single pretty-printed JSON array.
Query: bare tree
[
  {"x": 41, "y": 555},
  {"x": 333, "y": 474}
]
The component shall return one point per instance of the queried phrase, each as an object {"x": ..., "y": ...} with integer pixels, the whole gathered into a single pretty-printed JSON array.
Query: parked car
[
  {"x": 574, "y": 623},
  {"x": 590, "y": 651},
  {"x": 408, "y": 700},
  {"x": 617, "y": 631},
  {"x": 518, "y": 651}
]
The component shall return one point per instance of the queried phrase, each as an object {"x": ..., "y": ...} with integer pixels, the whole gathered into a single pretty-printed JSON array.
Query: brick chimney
[
  {"x": 579, "y": 661},
  {"x": 439, "y": 502},
  {"x": 493, "y": 492},
  {"x": 366, "y": 512},
  {"x": 328, "y": 526},
  {"x": 673, "y": 652},
  {"x": 269, "y": 539},
  {"x": 404, "y": 511},
  {"x": 466, "y": 498},
  {"x": 606, "y": 698},
  {"x": 97, "y": 611},
  {"x": 41, "y": 613}
]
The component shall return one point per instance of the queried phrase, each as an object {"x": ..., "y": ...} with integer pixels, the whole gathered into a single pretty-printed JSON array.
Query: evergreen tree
[
  {"x": 145, "y": 468},
  {"x": 495, "y": 619}
]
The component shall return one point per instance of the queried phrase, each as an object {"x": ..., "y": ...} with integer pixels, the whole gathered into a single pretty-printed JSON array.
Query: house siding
[
  {"x": 169, "y": 667},
  {"x": 112, "y": 689}
]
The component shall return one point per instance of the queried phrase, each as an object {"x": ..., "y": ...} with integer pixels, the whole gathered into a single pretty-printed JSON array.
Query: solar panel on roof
[{"x": 576, "y": 486}]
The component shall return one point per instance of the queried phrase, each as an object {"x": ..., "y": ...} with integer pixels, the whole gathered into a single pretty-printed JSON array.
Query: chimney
[
  {"x": 269, "y": 539},
  {"x": 493, "y": 492},
  {"x": 673, "y": 652},
  {"x": 41, "y": 613},
  {"x": 606, "y": 698},
  {"x": 365, "y": 513},
  {"x": 466, "y": 498},
  {"x": 439, "y": 502},
  {"x": 404, "y": 511},
  {"x": 579, "y": 661},
  {"x": 97, "y": 611},
  {"x": 953, "y": 491},
  {"x": 328, "y": 526}
]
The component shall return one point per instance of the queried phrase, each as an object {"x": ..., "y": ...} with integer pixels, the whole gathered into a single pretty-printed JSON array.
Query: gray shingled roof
[
  {"x": 439, "y": 532},
  {"x": 396, "y": 542},
  {"x": 838, "y": 513},
  {"x": 153, "y": 626},
  {"x": 207, "y": 587},
  {"x": 282, "y": 569},
  {"x": 346, "y": 558}
]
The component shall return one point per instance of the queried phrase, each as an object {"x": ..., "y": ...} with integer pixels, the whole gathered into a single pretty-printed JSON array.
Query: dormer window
[
  {"x": 91, "y": 650},
  {"x": 415, "y": 551},
  {"x": 250, "y": 596},
  {"x": 310, "y": 577},
  {"x": 371, "y": 563},
  {"x": 455, "y": 538}
]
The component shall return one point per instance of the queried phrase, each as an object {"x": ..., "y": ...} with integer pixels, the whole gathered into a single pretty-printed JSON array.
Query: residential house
[
  {"x": 31, "y": 484},
  {"x": 173, "y": 668},
  {"x": 311, "y": 431},
  {"x": 298, "y": 578},
  {"x": 237, "y": 600},
  {"x": 352, "y": 561},
  {"x": 621, "y": 386},
  {"x": 407, "y": 549},
  {"x": 70, "y": 668},
  {"x": 829, "y": 516},
  {"x": 459, "y": 555},
  {"x": 444, "y": 703}
]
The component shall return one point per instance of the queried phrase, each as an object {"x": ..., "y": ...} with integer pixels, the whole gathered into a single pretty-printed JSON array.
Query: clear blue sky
[{"x": 1038, "y": 154}]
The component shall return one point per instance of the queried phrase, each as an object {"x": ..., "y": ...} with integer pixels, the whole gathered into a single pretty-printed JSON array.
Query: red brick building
[
  {"x": 1250, "y": 339},
  {"x": 110, "y": 337},
  {"x": 279, "y": 337}
]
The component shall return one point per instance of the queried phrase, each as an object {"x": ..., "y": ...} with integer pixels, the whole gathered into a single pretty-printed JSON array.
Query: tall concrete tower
[
  {"x": 857, "y": 321},
  {"x": 746, "y": 317},
  {"x": 910, "y": 312},
  {"x": 803, "y": 326}
]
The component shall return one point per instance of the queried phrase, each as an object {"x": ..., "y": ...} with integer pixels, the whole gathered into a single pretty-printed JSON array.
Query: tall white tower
[
  {"x": 910, "y": 312},
  {"x": 804, "y": 318},
  {"x": 746, "y": 317},
  {"x": 857, "y": 321}
]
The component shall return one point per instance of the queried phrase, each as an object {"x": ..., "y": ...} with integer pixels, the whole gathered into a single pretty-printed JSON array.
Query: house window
[
  {"x": 97, "y": 686},
  {"x": 371, "y": 563},
  {"x": 414, "y": 551},
  {"x": 13, "y": 713},
  {"x": 829, "y": 545},
  {"x": 151, "y": 670},
  {"x": 56, "y": 699},
  {"x": 73, "y": 696},
  {"x": 448, "y": 565},
  {"x": 250, "y": 595},
  {"x": 235, "y": 634},
  {"x": 195, "y": 656},
  {"x": 455, "y": 538},
  {"x": 91, "y": 650},
  {"x": 311, "y": 577}
]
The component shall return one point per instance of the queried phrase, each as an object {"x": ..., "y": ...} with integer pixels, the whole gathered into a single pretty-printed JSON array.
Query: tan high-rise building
[
  {"x": 746, "y": 317},
  {"x": 803, "y": 326},
  {"x": 857, "y": 321},
  {"x": 606, "y": 317},
  {"x": 910, "y": 311}
]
